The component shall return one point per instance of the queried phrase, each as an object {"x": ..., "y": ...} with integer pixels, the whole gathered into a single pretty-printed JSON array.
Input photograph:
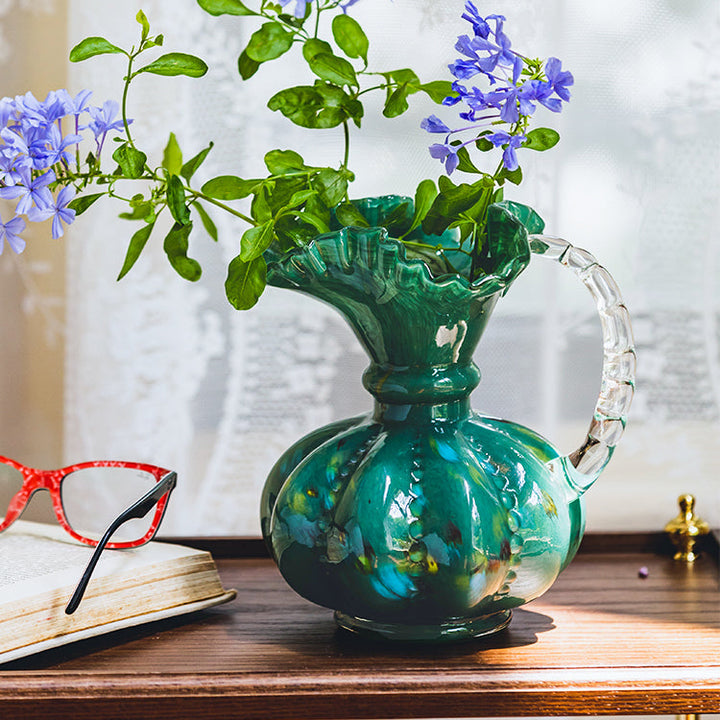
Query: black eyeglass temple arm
[{"x": 135, "y": 511}]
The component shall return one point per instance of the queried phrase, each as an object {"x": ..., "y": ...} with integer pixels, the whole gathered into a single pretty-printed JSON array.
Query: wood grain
[{"x": 602, "y": 641}]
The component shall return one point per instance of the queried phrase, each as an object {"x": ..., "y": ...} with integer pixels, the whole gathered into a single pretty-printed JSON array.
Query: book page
[
  {"x": 40, "y": 565},
  {"x": 36, "y": 558}
]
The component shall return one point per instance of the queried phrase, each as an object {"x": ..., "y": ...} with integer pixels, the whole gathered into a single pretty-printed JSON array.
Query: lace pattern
[{"x": 164, "y": 372}]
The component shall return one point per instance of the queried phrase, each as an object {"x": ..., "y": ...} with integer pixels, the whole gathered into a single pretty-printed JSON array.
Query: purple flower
[
  {"x": 58, "y": 211},
  {"x": 58, "y": 145},
  {"x": 7, "y": 110},
  {"x": 32, "y": 192},
  {"x": 40, "y": 114},
  {"x": 511, "y": 99},
  {"x": 75, "y": 105},
  {"x": 542, "y": 92},
  {"x": 347, "y": 5},
  {"x": 559, "y": 79},
  {"x": 17, "y": 150},
  {"x": 447, "y": 154},
  {"x": 486, "y": 51},
  {"x": 510, "y": 143},
  {"x": 10, "y": 231},
  {"x": 479, "y": 23},
  {"x": 434, "y": 124},
  {"x": 299, "y": 7},
  {"x": 103, "y": 119}
]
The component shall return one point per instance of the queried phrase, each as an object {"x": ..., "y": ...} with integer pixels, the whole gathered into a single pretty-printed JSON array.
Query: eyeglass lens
[
  {"x": 93, "y": 497},
  {"x": 11, "y": 480}
]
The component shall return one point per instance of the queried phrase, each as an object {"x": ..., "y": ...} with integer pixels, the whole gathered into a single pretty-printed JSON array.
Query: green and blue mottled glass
[{"x": 425, "y": 520}]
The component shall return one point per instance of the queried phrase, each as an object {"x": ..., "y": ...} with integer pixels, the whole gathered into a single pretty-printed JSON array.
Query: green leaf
[
  {"x": 260, "y": 207},
  {"x": 245, "y": 282},
  {"x": 269, "y": 42},
  {"x": 136, "y": 246},
  {"x": 294, "y": 230},
  {"x": 424, "y": 197},
  {"x": 350, "y": 36},
  {"x": 331, "y": 185},
  {"x": 541, "y": 139},
  {"x": 172, "y": 156},
  {"x": 311, "y": 107},
  {"x": 513, "y": 176},
  {"x": 397, "y": 103},
  {"x": 300, "y": 197},
  {"x": 83, "y": 202},
  {"x": 282, "y": 190},
  {"x": 317, "y": 213},
  {"x": 407, "y": 76},
  {"x": 318, "y": 222},
  {"x": 256, "y": 240},
  {"x": 333, "y": 69},
  {"x": 176, "y": 247},
  {"x": 247, "y": 67},
  {"x": 225, "y": 7},
  {"x": 465, "y": 164},
  {"x": 279, "y": 162},
  {"x": 354, "y": 109},
  {"x": 131, "y": 160},
  {"x": 176, "y": 200},
  {"x": 153, "y": 42},
  {"x": 397, "y": 221},
  {"x": 447, "y": 206},
  {"x": 91, "y": 46},
  {"x": 191, "y": 166},
  {"x": 229, "y": 187},
  {"x": 438, "y": 90},
  {"x": 142, "y": 19},
  {"x": 141, "y": 210},
  {"x": 315, "y": 46},
  {"x": 349, "y": 216},
  {"x": 336, "y": 100},
  {"x": 172, "y": 64},
  {"x": 483, "y": 144},
  {"x": 207, "y": 221}
]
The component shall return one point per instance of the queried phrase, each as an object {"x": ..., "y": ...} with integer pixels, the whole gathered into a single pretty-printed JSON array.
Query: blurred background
[{"x": 159, "y": 370}]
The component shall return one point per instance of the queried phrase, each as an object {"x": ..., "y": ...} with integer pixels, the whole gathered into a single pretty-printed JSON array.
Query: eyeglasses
[{"x": 93, "y": 502}]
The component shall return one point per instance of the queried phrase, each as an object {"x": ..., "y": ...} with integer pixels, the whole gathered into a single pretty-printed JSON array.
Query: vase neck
[
  {"x": 453, "y": 411},
  {"x": 421, "y": 385}
]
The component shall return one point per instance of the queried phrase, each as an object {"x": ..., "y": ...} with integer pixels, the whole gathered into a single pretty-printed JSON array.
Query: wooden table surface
[{"x": 602, "y": 641}]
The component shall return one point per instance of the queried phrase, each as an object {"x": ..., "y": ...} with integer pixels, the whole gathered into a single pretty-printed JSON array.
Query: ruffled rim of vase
[{"x": 349, "y": 249}]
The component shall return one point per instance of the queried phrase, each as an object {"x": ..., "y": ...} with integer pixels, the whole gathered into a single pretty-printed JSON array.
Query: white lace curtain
[
  {"x": 164, "y": 371},
  {"x": 33, "y": 49}
]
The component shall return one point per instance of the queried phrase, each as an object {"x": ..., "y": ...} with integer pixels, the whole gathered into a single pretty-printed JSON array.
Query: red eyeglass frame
[{"x": 50, "y": 480}]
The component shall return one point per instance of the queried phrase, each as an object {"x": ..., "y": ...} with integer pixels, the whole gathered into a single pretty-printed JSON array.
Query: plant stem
[
  {"x": 202, "y": 196},
  {"x": 128, "y": 78},
  {"x": 346, "y": 133}
]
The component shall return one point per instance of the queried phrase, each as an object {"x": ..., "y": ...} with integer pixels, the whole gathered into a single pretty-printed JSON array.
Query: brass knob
[{"x": 685, "y": 529}]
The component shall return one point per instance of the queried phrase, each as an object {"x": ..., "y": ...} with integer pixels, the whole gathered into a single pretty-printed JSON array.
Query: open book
[{"x": 40, "y": 565}]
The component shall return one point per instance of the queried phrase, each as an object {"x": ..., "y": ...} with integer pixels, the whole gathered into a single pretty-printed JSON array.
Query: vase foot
[{"x": 453, "y": 631}]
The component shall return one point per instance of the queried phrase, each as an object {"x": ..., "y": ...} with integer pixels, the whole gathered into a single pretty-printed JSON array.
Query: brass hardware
[{"x": 685, "y": 530}]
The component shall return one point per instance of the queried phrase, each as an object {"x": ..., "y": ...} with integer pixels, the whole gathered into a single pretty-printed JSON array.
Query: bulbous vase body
[{"x": 422, "y": 520}]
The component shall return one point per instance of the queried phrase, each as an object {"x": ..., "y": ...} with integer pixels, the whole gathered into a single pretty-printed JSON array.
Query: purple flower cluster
[
  {"x": 36, "y": 157},
  {"x": 517, "y": 87}
]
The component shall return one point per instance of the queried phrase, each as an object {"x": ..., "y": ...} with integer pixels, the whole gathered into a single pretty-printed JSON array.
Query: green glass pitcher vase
[{"x": 425, "y": 520}]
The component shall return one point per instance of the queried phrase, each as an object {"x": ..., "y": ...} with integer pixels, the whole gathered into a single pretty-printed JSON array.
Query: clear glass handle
[{"x": 584, "y": 465}]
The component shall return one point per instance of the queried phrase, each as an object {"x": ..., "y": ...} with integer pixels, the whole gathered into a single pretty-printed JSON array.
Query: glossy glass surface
[{"x": 421, "y": 520}]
